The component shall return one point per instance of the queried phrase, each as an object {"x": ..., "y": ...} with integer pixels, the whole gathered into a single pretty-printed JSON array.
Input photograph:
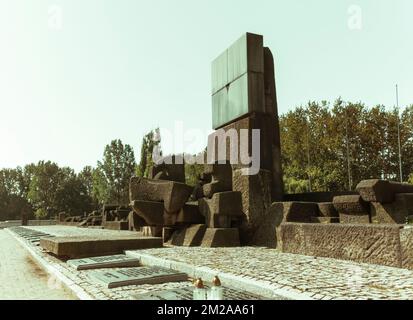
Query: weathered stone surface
[
  {"x": 352, "y": 209},
  {"x": 256, "y": 200},
  {"x": 222, "y": 209},
  {"x": 116, "y": 225},
  {"x": 395, "y": 212},
  {"x": 221, "y": 179},
  {"x": 135, "y": 221},
  {"x": 268, "y": 233},
  {"x": 352, "y": 204},
  {"x": 190, "y": 214},
  {"x": 382, "y": 191},
  {"x": 325, "y": 220},
  {"x": 406, "y": 241},
  {"x": 326, "y": 209},
  {"x": 80, "y": 247},
  {"x": 172, "y": 194},
  {"x": 362, "y": 243},
  {"x": 189, "y": 237},
  {"x": 167, "y": 233},
  {"x": 355, "y": 218},
  {"x": 214, "y": 238},
  {"x": 150, "y": 211}
]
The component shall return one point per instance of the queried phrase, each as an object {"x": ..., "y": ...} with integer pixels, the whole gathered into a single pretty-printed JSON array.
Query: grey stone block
[{"x": 223, "y": 237}]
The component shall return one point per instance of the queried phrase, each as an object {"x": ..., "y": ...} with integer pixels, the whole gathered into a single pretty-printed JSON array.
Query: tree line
[
  {"x": 333, "y": 147},
  {"x": 324, "y": 148}
]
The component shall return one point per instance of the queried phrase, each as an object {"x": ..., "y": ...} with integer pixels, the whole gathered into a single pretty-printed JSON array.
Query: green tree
[
  {"x": 112, "y": 176},
  {"x": 150, "y": 141}
]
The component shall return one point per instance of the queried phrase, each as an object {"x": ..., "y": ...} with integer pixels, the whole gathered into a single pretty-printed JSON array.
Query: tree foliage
[
  {"x": 150, "y": 141},
  {"x": 332, "y": 148},
  {"x": 113, "y": 173}
]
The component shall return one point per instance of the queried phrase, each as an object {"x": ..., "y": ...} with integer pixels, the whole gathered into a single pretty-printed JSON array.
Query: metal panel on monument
[
  {"x": 238, "y": 81},
  {"x": 115, "y": 261},
  {"x": 136, "y": 276}
]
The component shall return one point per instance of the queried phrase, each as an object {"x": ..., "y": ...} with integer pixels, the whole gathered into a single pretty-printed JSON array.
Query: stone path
[
  {"x": 21, "y": 278},
  {"x": 261, "y": 271},
  {"x": 294, "y": 276}
]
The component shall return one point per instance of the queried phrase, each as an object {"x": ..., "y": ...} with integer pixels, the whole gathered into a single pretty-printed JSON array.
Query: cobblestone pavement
[
  {"x": 21, "y": 278},
  {"x": 317, "y": 278},
  {"x": 280, "y": 275},
  {"x": 79, "y": 281}
]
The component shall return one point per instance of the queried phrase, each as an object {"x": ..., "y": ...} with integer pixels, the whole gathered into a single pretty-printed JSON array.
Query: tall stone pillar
[{"x": 244, "y": 97}]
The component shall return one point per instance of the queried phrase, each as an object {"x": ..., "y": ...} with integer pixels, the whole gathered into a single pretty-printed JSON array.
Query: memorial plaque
[
  {"x": 136, "y": 276},
  {"x": 187, "y": 294},
  {"x": 115, "y": 261}
]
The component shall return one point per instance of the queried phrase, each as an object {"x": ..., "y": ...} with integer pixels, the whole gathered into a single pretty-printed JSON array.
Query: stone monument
[{"x": 244, "y": 97}]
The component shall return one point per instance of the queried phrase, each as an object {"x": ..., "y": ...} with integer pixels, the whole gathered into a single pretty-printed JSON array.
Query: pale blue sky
[{"x": 116, "y": 69}]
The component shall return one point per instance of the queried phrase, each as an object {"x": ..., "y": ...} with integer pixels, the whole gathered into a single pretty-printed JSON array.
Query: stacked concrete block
[
  {"x": 244, "y": 101},
  {"x": 222, "y": 210},
  {"x": 352, "y": 209},
  {"x": 397, "y": 211},
  {"x": 269, "y": 232}
]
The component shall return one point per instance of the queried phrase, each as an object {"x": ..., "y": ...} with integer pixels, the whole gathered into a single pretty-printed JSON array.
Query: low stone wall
[
  {"x": 16, "y": 223},
  {"x": 389, "y": 245},
  {"x": 315, "y": 196}
]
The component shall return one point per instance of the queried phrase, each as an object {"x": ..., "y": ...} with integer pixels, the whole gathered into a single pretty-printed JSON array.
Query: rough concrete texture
[
  {"x": 116, "y": 225},
  {"x": 256, "y": 200},
  {"x": 221, "y": 238},
  {"x": 80, "y": 247},
  {"x": 150, "y": 211},
  {"x": 172, "y": 194},
  {"x": 395, "y": 212},
  {"x": 381, "y": 190},
  {"x": 222, "y": 209},
  {"x": 355, "y": 218},
  {"x": 326, "y": 209},
  {"x": 268, "y": 232},
  {"x": 190, "y": 214},
  {"x": 221, "y": 179},
  {"x": 388, "y": 245},
  {"x": 189, "y": 237},
  {"x": 352, "y": 204},
  {"x": 325, "y": 220}
]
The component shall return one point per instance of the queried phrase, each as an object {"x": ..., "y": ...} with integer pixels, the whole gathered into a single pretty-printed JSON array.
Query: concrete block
[
  {"x": 189, "y": 237},
  {"x": 81, "y": 247},
  {"x": 375, "y": 244},
  {"x": 215, "y": 238},
  {"x": 382, "y": 191},
  {"x": 395, "y": 212}
]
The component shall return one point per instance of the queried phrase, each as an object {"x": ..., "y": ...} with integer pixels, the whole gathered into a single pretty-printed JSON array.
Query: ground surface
[
  {"x": 258, "y": 270},
  {"x": 21, "y": 278}
]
